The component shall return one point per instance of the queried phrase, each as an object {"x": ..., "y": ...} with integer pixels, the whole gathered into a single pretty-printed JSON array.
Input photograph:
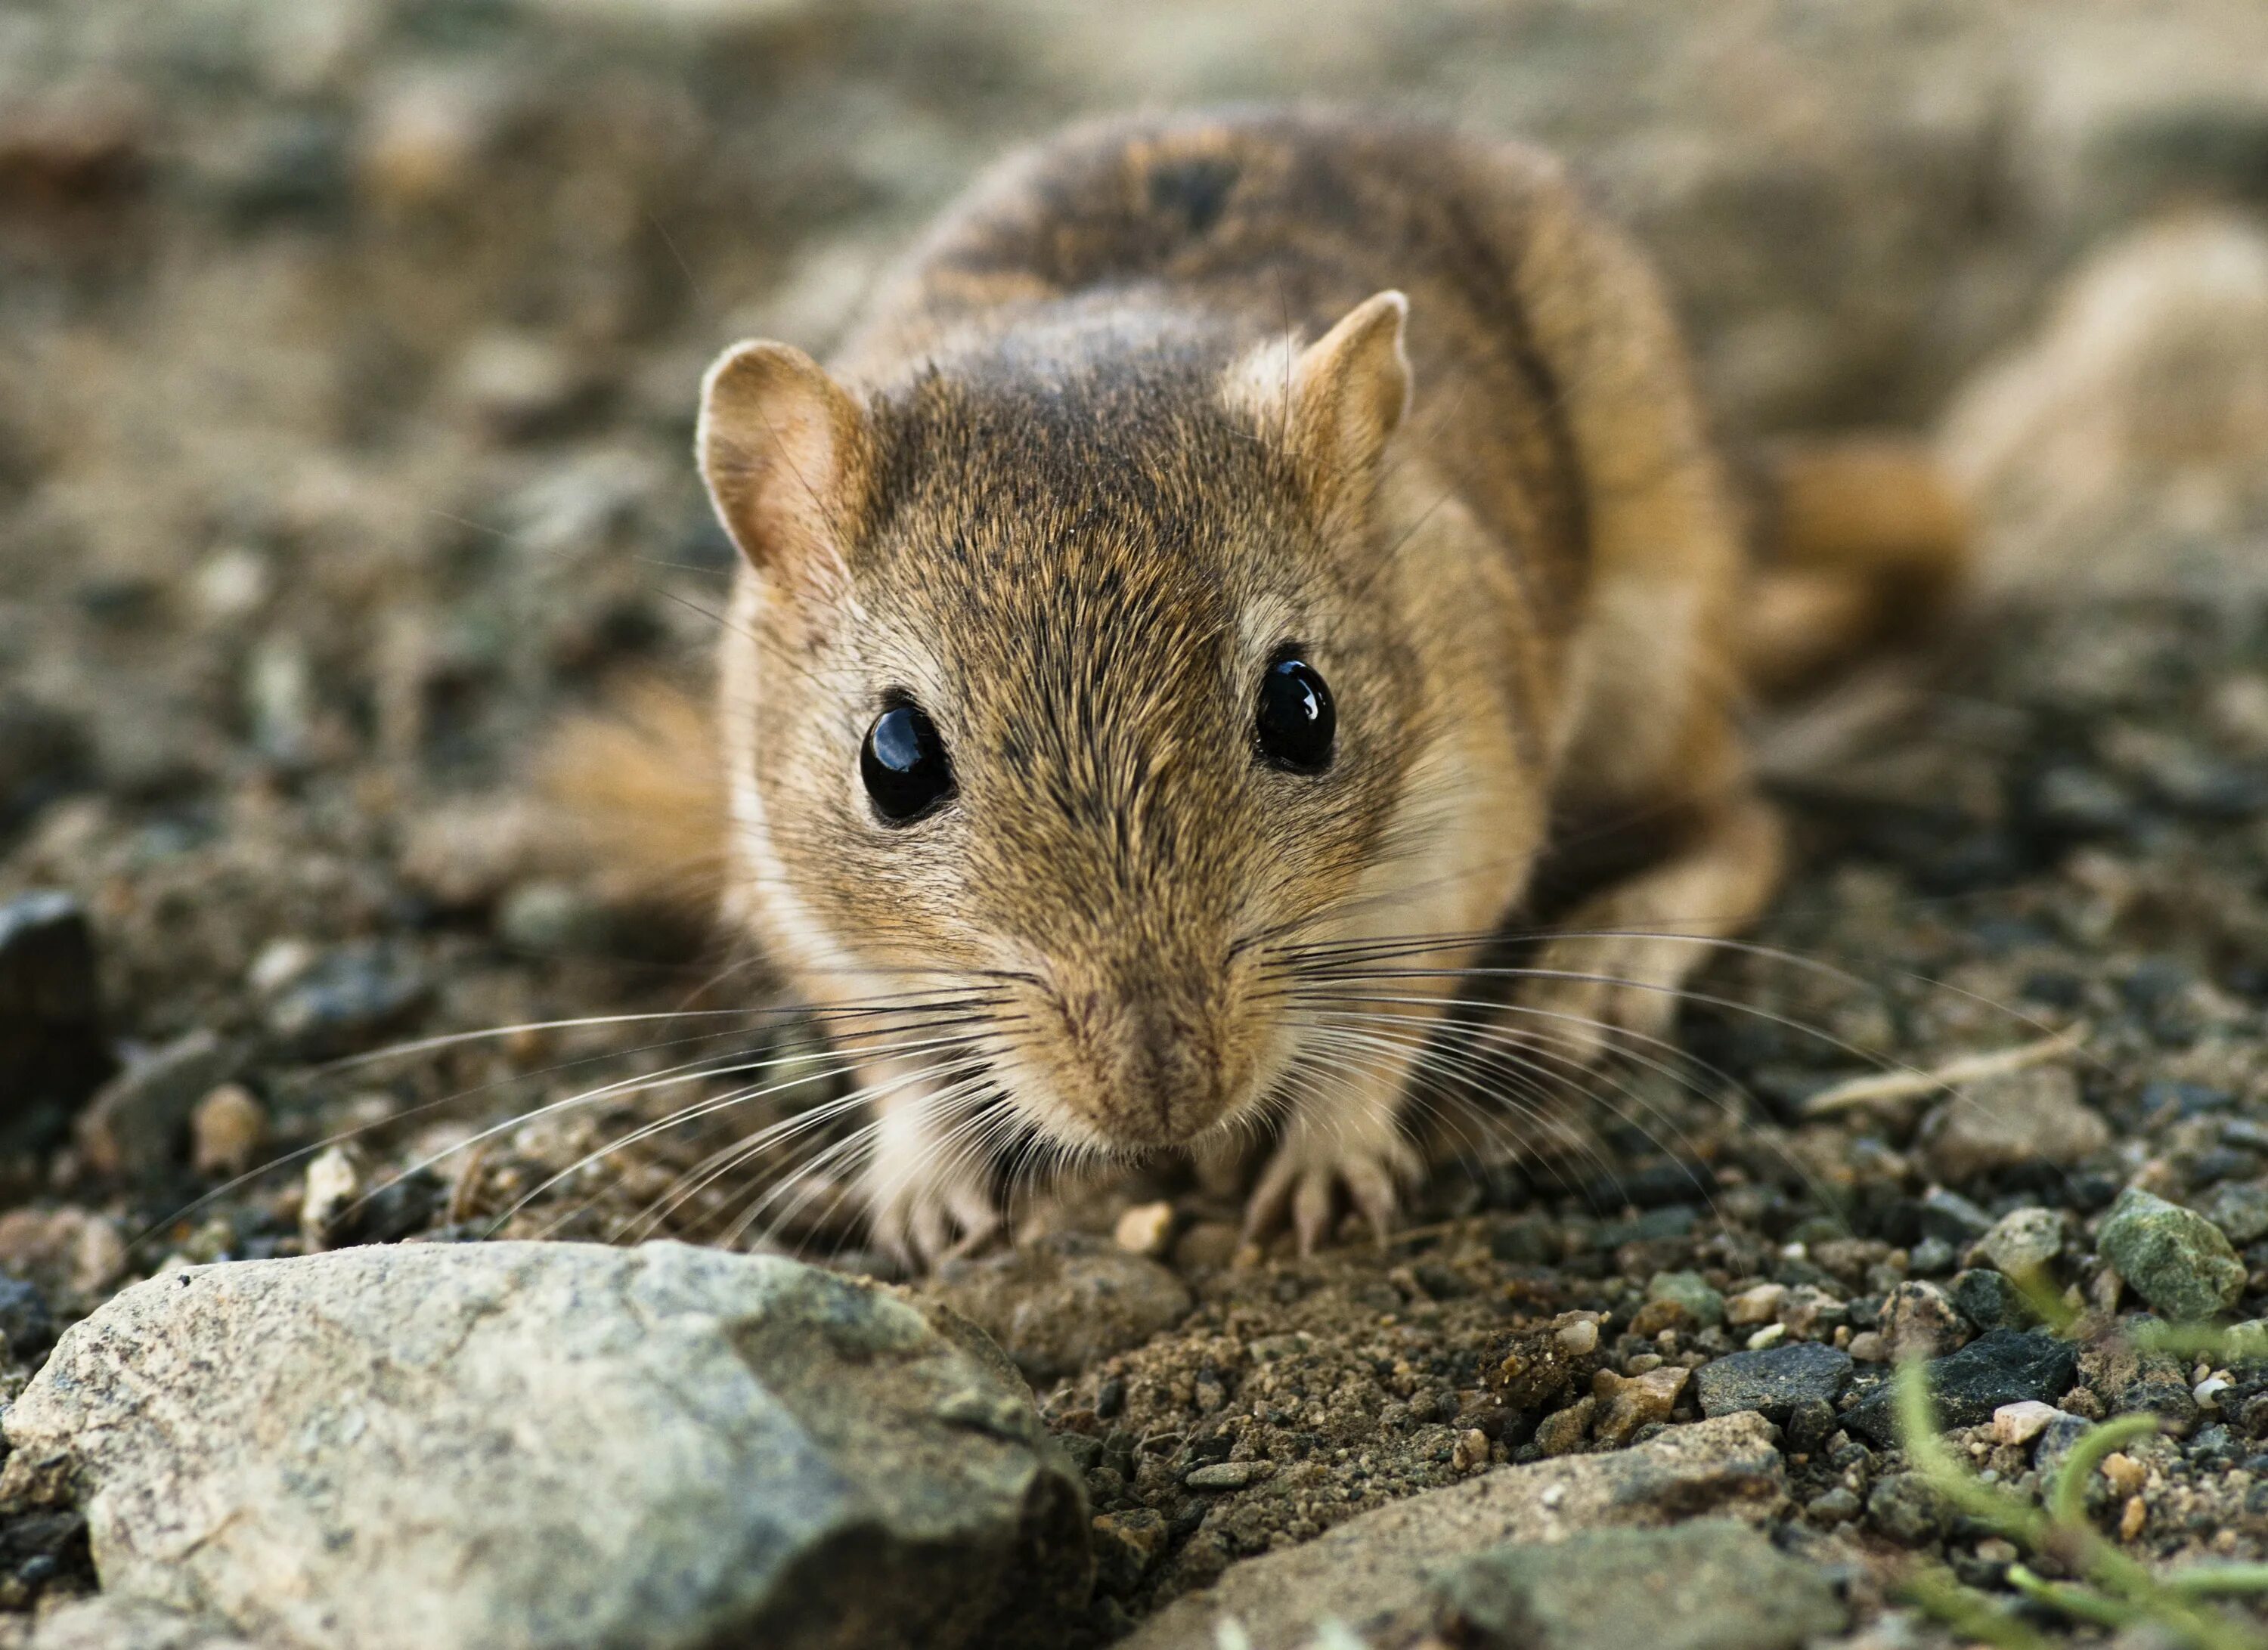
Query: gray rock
[
  {"x": 1773, "y": 1381},
  {"x": 137, "y": 1126},
  {"x": 1064, "y": 1302},
  {"x": 1709, "y": 1585},
  {"x": 657, "y": 1446},
  {"x": 2028, "y": 1117},
  {"x": 51, "y": 1039},
  {"x": 2023, "y": 1243},
  {"x": 1378, "y": 1563},
  {"x": 2240, "y": 1209},
  {"x": 1990, "y": 1301},
  {"x": 2006, "y": 1366},
  {"x": 2177, "y": 1259},
  {"x": 348, "y": 1001}
]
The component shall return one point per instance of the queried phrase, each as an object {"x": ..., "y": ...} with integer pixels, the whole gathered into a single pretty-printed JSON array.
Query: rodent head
[{"x": 1000, "y": 707}]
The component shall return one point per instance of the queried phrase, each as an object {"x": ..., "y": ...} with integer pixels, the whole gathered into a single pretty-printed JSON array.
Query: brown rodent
[{"x": 1238, "y": 541}]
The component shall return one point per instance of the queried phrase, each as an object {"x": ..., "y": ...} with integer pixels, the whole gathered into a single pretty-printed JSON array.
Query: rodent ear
[
  {"x": 1351, "y": 387},
  {"x": 782, "y": 448}
]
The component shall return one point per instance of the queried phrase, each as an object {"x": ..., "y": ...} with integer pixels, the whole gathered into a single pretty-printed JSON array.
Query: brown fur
[{"x": 1133, "y": 418}]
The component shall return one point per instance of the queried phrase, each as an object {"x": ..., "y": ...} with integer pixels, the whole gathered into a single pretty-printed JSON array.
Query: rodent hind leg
[
  {"x": 1346, "y": 1136},
  {"x": 928, "y": 1196},
  {"x": 1625, "y": 954}
]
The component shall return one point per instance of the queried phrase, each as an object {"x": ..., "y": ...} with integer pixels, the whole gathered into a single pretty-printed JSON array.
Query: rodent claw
[{"x": 1311, "y": 1165}]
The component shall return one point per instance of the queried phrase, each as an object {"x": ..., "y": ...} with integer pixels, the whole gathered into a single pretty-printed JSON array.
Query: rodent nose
[
  {"x": 1167, "y": 1079},
  {"x": 1149, "y": 1077}
]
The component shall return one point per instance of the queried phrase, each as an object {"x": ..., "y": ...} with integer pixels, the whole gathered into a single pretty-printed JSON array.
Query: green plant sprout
[{"x": 2112, "y": 1590}]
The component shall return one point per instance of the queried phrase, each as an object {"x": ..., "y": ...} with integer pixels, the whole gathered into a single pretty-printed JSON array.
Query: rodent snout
[{"x": 1139, "y": 1067}]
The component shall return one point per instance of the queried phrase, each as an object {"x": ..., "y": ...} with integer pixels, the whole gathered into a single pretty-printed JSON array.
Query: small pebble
[
  {"x": 1227, "y": 1475},
  {"x": 1838, "y": 1506},
  {"x": 1919, "y": 1320},
  {"x": 2123, "y": 1473},
  {"x": 1147, "y": 1228},
  {"x": 1869, "y": 1347},
  {"x": 227, "y": 1128},
  {"x": 2130, "y": 1520},
  {"x": 1629, "y": 1403},
  {"x": 1759, "y": 1305},
  {"x": 1562, "y": 1432},
  {"x": 1471, "y": 1452},
  {"x": 1207, "y": 1245},
  {"x": 1581, "y": 1339},
  {"x": 1690, "y": 1291},
  {"x": 1770, "y": 1334},
  {"x": 2023, "y": 1243},
  {"x": 2023, "y": 1422},
  {"x": 333, "y": 1185}
]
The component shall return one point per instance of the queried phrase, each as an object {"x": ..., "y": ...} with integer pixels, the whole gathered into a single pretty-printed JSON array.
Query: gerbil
[{"x": 1236, "y": 543}]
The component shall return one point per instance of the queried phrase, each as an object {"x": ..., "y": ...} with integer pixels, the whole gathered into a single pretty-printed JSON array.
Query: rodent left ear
[
  {"x": 783, "y": 450},
  {"x": 1351, "y": 387}
]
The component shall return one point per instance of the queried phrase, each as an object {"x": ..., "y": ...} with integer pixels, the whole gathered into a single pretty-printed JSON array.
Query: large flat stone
[
  {"x": 1370, "y": 1567},
  {"x": 534, "y": 1444}
]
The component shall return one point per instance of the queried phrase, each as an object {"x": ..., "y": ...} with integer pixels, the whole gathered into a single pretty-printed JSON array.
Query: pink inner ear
[
  {"x": 1354, "y": 382},
  {"x": 779, "y": 449}
]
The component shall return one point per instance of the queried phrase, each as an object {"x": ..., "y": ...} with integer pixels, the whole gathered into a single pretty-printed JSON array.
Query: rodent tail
[
  {"x": 640, "y": 788},
  {"x": 1859, "y": 541}
]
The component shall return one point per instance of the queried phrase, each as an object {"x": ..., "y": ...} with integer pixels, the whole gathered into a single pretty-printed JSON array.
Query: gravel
[{"x": 343, "y": 452}]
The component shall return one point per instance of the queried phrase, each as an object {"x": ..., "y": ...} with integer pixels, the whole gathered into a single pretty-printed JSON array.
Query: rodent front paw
[
  {"x": 1588, "y": 993},
  {"x": 923, "y": 1218},
  {"x": 1372, "y": 1162}
]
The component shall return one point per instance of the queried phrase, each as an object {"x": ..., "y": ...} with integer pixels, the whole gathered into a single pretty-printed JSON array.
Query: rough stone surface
[
  {"x": 2177, "y": 1259},
  {"x": 2006, "y": 1366},
  {"x": 1376, "y": 1564},
  {"x": 1709, "y": 1585},
  {"x": 662, "y": 1446},
  {"x": 109, "y": 1622},
  {"x": 1058, "y": 1305},
  {"x": 1773, "y": 1381},
  {"x": 2027, "y": 1116}
]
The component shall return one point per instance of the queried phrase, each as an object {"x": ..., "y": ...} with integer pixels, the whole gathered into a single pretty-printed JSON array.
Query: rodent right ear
[{"x": 783, "y": 450}]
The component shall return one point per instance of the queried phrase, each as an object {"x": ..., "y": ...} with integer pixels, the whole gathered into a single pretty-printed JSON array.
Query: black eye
[
  {"x": 1296, "y": 721},
  {"x": 904, "y": 765}
]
